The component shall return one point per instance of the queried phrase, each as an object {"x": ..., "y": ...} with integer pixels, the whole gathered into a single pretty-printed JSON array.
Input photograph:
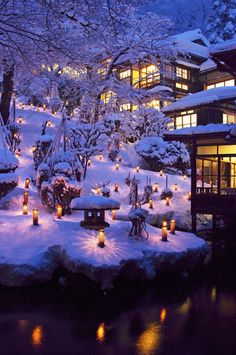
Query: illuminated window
[
  {"x": 150, "y": 75},
  {"x": 187, "y": 119},
  {"x": 106, "y": 96},
  {"x": 154, "y": 104},
  {"x": 181, "y": 86},
  {"x": 125, "y": 74},
  {"x": 229, "y": 118},
  {"x": 125, "y": 107},
  {"x": 182, "y": 73},
  {"x": 221, "y": 84}
]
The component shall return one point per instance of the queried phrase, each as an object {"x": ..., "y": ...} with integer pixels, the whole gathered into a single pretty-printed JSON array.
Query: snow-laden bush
[
  {"x": 55, "y": 104},
  {"x": 8, "y": 162},
  {"x": 34, "y": 89},
  {"x": 42, "y": 145},
  {"x": 160, "y": 154}
]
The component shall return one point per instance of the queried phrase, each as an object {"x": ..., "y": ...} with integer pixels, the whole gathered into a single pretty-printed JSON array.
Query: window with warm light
[
  {"x": 106, "y": 96},
  {"x": 150, "y": 75},
  {"x": 182, "y": 73},
  {"x": 153, "y": 104},
  {"x": 186, "y": 119},
  {"x": 229, "y": 118},
  {"x": 125, "y": 107},
  {"x": 181, "y": 86},
  {"x": 221, "y": 84},
  {"x": 125, "y": 74}
]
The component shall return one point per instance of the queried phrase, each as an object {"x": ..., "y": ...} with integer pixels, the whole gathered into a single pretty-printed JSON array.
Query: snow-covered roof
[
  {"x": 208, "y": 129},
  {"x": 94, "y": 202},
  {"x": 187, "y": 64},
  {"x": 207, "y": 65},
  {"x": 202, "y": 98},
  {"x": 224, "y": 46},
  {"x": 159, "y": 88},
  {"x": 191, "y": 36}
]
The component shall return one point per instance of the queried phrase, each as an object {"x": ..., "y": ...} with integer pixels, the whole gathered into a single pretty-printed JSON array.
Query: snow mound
[{"x": 94, "y": 202}]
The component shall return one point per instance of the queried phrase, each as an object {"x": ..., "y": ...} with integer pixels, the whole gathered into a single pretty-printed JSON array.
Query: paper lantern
[
  {"x": 164, "y": 231},
  {"x": 59, "y": 211},
  {"x": 137, "y": 169},
  {"x": 172, "y": 226},
  {"x": 117, "y": 166},
  {"x": 101, "y": 238},
  {"x": 25, "y": 208},
  {"x": 26, "y": 197},
  {"x": 161, "y": 172},
  {"x": 167, "y": 201},
  {"x": 35, "y": 217},
  {"x": 89, "y": 162},
  {"x": 27, "y": 183}
]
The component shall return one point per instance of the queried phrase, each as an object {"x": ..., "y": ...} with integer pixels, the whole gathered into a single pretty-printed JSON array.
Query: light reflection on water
[{"x": 198, "y": 321}]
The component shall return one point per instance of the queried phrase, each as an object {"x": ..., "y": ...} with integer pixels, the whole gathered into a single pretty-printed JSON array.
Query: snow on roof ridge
[
  {"x": 230, "y": 44},
  {"x": 202, "y": 97},
  {"x": 191, "y": 36},
  {"x": 210, "y": 128},
  {"x": 208, "y": 65}
]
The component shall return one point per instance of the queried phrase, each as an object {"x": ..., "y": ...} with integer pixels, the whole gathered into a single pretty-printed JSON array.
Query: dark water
[{"x": 174, "y": 318}]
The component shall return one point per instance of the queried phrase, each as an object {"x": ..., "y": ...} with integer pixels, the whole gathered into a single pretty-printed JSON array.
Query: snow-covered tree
[
  {"x": 222, "y": 22},
  {"x": 160, "y": 154}
]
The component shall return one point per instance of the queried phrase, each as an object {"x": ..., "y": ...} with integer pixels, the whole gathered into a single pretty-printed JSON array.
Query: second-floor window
[
  {"x": 125, "y": 74},
  {"x": 221, "y": 84},
  {"x": 125, "y": 107},
  {"x": 186, "y": 119},
  {"x": 182, "y": 73},
  {"x": 149, "y": 75},
  {"x": 229, "y": 118},
  {"x": 181, "y": 86},
  {"x": 153, "y": 104},
  {"x": 106, "y": 96}
]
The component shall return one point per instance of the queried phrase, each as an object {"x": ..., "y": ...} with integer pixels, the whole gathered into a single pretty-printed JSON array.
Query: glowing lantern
[
  {"x": 101, "y": 238},
  {"x": 117, "y": 166},
  {"x": 31, "y": 105},
  {"x": 164, "y": 231},
  {"x": 19, "y": 152},
  {"x": 151, "y": 203},
  {"x": 38, "y": 108},
  {"x": 33, "y": 148},
  {"x": 161, "y": 172},
  {"x": 100, "y": 157},
  {"x": 167, "y": 201},
  {"x": 20, "y": 120},
  {"x": 185, "y": 177},
  {"x": 176, "y": 187},
  {"x": 17, "y": 155},
  {"x": 22, "y": 106},
  {"x": 137, "y": 169},
  {"x": 98, "y": 191},
  {"x": 26, "y": 197},
  {"x": 120, "y": 145},
  {"x": 59, "y": 211},
  {"x": 189, "y": 196},
  {"x": 119, "y": 159},
  {"x": 49, "y": 124},
  {"x": 14, "y": 135},
  {"x": 27, "y": 183},
  {"x": 100, "y": 333},
  {"x": 163, "y": 314},
  {"x": 89, "y": 162},
  {"x": 44, "y": 107},
  {"x": 25, "y": 208},
  {"x": 116, "y": 188},
  {"x": 113, "y": 215},
  {"x": 35, "y": 217},
  {"x": 155, "y": 187},
  {"x": 172, "y": 226}
]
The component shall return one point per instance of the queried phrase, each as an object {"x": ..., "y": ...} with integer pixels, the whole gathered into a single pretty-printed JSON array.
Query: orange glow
[
  {"x": 189, "y": 196},
  {"x": 37, "y": 336},
  {"x": 26, "y": 197},
  {"x": 117, "y": 166},
  {"x": 163, "y": 314},
  {"x": 89, "y": 162},
  {"x": 59, "y": 211},
  {"x": 172, "y": 226},
  {"x": 167, "y": 201},
  {"x": 101, "y": 238},
  {"x": 113, "y": 215},
  {"x": 149, "y": 340},
  {"x": 155, "y": 187},
  {"x": 137, "y": 169},
  {"x": 164, "y": 231},
  {"x": 161, "y": 173},
  {"x": 116, "y": 189},
  {"x": 20, "y": 119},
  {"x": 27, "y": 183},
  {"x": 25, "y": 208},
  {"x": 100, "y": 157},
  {"x": 185, "y": 177},
  {"x": 101, "y": 333},
  {"x": 35, "y": 217},
  {"x": 151, "y": 203}
]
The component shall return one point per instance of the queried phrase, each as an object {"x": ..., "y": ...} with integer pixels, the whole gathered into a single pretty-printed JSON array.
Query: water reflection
[
  {"x": 149, "y": 340},
  {"x": 37, "y": 336},
  {"x": 100, "y": 333}
]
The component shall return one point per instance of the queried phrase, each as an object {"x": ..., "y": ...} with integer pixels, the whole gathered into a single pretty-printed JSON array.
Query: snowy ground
[{"x": 31, "y": 253}]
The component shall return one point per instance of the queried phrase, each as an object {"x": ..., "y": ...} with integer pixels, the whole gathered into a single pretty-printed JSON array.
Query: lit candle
[
  {"x": 164, "y": 231},
  {"x": 26, "y": 197},
  {"x": 101, "y": 238},
  {"x": 172, "y": 226},
  {"x": 151, "y": 203},
  {"x": 89, "y": 162},
  {"x": 185, "y": 177},
  {"x": 27, "y": 183},
  {"x": 119, "y": 159},
  {"x": 176, "y": 187},
  {"x": 189, "y": 196},
  {"x": 25, "y": 208},
  {"x": 117, "y": 166},
  {"x": 161, "y": 172},
  {"x": 137, "y": 169},
  {"x": 113, "y": 215},
  {"x": 100, "y": 157},
  {"x": 155, "y": 187},
  {"x": 35, "y": 217},
  {"x": 116, "y": 188},
  {"x": 59, "y": 211},
  {"x": 167, "y": 201},
  {"x": 20, "y": 120}
]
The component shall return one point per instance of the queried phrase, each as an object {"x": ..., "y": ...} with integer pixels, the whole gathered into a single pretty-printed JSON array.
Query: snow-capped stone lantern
[{"x": 94, "y": 208}]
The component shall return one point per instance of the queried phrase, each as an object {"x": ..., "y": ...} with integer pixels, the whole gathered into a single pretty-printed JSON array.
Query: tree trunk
[{"x": 7, "y": 93}]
